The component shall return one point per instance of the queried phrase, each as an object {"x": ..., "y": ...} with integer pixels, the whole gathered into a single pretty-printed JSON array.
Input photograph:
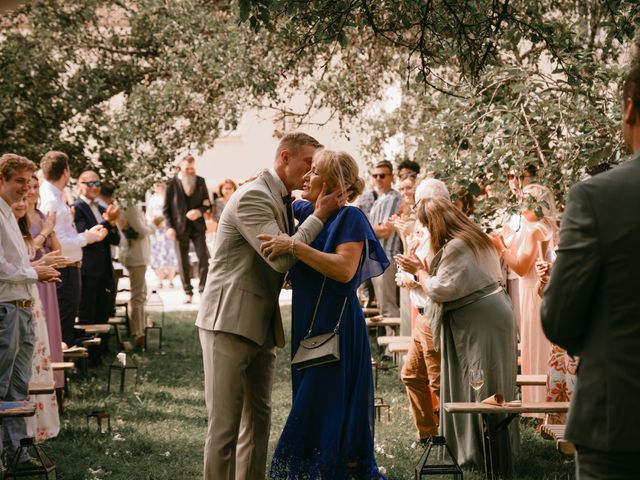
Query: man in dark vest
[{"x": 186, "y": 201}]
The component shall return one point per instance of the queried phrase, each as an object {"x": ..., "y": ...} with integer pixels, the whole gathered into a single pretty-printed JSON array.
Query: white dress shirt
[
  {"x": 71, "y": 242},
  {"x": 93, "y": 205},
  {"x": 16, "y": 272}
]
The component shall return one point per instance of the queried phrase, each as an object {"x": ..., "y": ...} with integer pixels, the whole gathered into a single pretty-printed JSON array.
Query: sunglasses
[
  {"x": 381, "y": 176},
  {"x": 92, "y": 183},
  {"x": 512, "y": 176}
]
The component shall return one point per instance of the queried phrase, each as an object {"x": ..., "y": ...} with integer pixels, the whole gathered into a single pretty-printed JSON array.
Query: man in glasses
[
  {"x": 98, "y": 283},
  {"x": 55, "y": 168},
  {"x": 387, "y": 205}
]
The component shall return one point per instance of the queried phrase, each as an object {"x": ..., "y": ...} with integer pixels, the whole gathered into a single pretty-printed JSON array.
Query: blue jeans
[{"x": 17, "y": 339}]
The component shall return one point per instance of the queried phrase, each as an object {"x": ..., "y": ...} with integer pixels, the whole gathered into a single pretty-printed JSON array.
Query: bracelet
[
  {"x": 292, "y": 248},
  {"x": 505, "y": 249}
]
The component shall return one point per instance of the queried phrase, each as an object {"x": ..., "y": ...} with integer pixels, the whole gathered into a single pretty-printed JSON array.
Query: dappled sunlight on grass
[{"x": 158, "y": 427}]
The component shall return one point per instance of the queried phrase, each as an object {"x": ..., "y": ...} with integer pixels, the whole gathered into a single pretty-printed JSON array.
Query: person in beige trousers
[
  {"x": 239, "y": 320},
  {"x": 135, "y": 253}
]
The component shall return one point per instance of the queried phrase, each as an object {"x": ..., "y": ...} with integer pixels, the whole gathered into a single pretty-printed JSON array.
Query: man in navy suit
[{"x": 98, "y": 283}]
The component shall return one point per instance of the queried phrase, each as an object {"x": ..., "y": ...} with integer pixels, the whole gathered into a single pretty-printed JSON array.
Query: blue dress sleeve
[
  {"x": 351, "y": 225},
  {"x": 301, "y": 210}
]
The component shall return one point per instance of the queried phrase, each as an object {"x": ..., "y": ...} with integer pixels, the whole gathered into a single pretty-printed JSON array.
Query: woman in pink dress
[
  {"x": 44, "y": 240},
  {"x": 45, "y": 423},
  {"x": 537, "y": 230}
]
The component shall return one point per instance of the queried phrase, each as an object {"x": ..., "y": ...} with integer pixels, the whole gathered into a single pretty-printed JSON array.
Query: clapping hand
[
  {"x": 411, "y": 263},
  {"x": 49, "y": 224},
  {"x": 97, "y": 233},
  {"x": 274, "y": 245},
  {"x": 194, "y": 214},
  {"x": 112, "y": 213},
  {"x": 543, "y": 269},
  {"x": 54, "y": 259},
  {"x": 47, "y": 274}
]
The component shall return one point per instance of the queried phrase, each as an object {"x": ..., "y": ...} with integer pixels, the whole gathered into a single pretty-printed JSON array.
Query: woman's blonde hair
[
  {"x": 445, "y": 221},
  {"x": 541, "y": 200},
  {"x": 341, "y": 170}
]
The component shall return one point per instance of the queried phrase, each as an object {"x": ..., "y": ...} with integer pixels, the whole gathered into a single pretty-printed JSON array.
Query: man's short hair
[
  {"x": 384, "y": 164},
  {"x": 409, "y": 165},
  {"x": 292, "y": 141},
  {"x": 53, "y": 165},
  {"x": 10, "y": 164},
  {"x": 107, "y": 189},
  {"x": 631, "y": 88}
]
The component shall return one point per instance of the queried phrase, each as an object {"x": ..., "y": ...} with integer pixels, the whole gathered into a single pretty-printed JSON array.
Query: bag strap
[{"x": 315, "y": 311}]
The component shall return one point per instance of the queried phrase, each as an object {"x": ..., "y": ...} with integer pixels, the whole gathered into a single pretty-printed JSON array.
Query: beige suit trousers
[
  {"x": 238, "y": 377},
  {"x": 138, "y": 299}
]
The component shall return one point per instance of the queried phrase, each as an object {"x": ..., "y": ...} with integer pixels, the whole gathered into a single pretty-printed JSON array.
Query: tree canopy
[{"x": 125, "y": 85}]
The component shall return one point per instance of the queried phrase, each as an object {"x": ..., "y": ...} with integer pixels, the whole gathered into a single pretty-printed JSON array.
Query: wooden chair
[{"x": 555, "y": 432}]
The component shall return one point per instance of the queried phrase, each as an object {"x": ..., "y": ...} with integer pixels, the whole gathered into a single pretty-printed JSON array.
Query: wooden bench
[
  {"x": 397, "y": 349},
  {"x": 80, "y": 354},
  {"x": 511, "y": 410},
  {"x": 41, "y": 388},
  {"x": 61, "y": 366},
  {"x": 20, "y": 408},
  {"x": 94, "y": 329},
  {"x": 385, "y": 340},
  {"x": 116, "y": 323},
  {"x": 378, "y": 404},
  {"x": 92, "y": 342},
  {"x": 531, "y": 380},
  {"x": 555, "y": 432},
  {"x": 370, "y": 311},
  {"x": 377, "y": 322}
]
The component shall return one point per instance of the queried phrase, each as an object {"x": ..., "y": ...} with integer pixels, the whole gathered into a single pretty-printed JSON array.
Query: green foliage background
[{"x": 126, "y": 85}]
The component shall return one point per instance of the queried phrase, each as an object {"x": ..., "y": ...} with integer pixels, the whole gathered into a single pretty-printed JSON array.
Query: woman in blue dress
[{"x": 329, "y": 431}]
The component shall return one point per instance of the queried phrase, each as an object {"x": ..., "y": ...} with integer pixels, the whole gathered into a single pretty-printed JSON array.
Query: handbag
[{"x": 319, "y": 349}]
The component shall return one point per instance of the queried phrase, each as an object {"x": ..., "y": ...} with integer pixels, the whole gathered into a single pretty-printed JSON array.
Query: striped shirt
[{"x": 384, "y": 207}]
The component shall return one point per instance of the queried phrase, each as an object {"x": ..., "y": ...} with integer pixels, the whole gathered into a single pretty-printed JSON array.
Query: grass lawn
[{"x": 158, "y": 428}]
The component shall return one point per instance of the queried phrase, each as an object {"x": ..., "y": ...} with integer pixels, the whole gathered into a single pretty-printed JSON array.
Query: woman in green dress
[{"x": 472, "y": 314}]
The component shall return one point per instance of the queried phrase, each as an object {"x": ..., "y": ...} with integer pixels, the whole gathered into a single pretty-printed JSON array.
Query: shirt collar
[
  {"x": 89, "y": 202},
  {"x": 5, "y": 208},
  {"x": 283, "y": 190},
  {"x": 52, "y": 188}
]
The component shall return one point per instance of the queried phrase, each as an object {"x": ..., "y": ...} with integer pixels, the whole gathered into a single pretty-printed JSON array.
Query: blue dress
[{"x": 329, "y": 431}]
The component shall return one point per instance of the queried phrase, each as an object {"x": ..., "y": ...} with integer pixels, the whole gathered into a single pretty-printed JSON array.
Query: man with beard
[{"x": 186, "y": 201}]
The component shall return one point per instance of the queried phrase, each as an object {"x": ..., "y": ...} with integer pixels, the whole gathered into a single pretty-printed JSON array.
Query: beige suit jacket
[{"x": 242, "y": 290}]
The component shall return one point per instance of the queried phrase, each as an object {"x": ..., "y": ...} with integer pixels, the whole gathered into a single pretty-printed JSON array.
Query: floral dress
[{"x": 45, "y": 423}]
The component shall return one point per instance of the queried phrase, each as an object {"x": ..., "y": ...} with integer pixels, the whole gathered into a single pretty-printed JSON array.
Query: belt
[
  {"x": 75, "y": 264},
  {"x": 20, "y": 303}
]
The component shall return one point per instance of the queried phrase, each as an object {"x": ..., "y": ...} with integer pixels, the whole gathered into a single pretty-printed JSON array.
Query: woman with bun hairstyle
[{"x": 329, "y": 432}]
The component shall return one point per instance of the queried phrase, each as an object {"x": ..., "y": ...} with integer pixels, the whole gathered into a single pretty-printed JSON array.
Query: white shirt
[
  {"x": 16, "y": 273},
  {"x": 93, "y": 205},
  {"x": 71, "y": 242}
]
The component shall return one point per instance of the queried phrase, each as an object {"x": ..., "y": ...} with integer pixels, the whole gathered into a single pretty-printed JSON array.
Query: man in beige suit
[{"x": 239, "y": 321}]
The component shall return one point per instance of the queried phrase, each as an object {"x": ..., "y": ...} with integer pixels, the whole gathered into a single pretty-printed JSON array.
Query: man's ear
[
  {"x": 284, "y": 156},
  {"x": 630, "y": 112}
]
